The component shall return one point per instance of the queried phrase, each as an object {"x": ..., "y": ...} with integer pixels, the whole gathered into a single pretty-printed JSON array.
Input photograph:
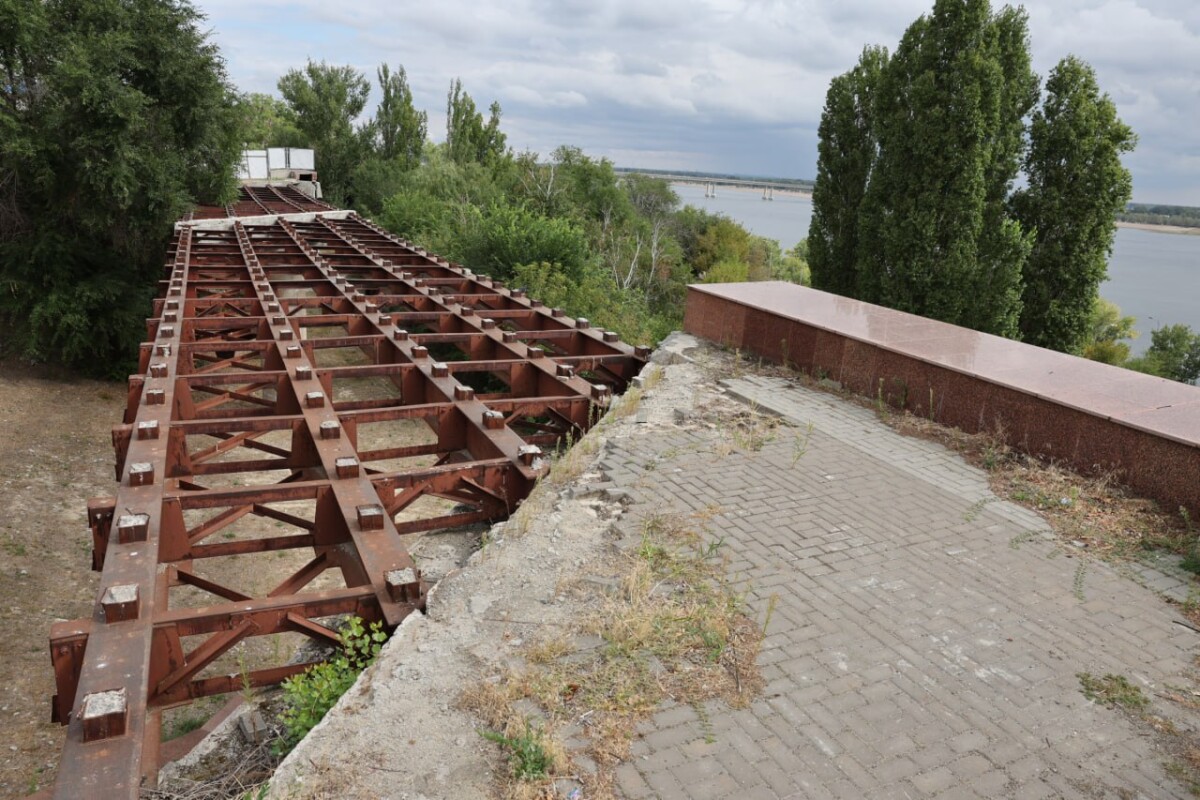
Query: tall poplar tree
[
  {"x": 934, "y": 235},
  {"x": 994, "y": 302},
  {"x": 1076, "y": 187},
  {"x": 468, "y": 138},
  {"x": 846, "y": 154},
  {"x": 399, "y": 126}
]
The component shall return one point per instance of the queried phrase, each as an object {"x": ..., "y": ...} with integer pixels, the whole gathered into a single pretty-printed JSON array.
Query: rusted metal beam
[{"x": 235, "y": 379}]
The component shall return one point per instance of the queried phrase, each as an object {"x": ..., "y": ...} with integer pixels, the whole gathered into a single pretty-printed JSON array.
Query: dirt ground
[{"x": 55, "y": 453}]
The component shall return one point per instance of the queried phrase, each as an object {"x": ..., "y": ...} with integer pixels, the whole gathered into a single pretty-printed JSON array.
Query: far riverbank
[
  {"x": 803, "y": 195},
  {"x": 1145, "y": 226}
]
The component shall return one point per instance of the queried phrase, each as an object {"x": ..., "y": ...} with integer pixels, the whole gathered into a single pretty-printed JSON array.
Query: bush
[
  {"x": 310, "y": 696},
  {"x": 509, "y": 236},
  {"x": 728, "y": 272},
  {"x": 375, "y": 180},
  {"x": 594, "y": 295},
  {"x": 414, "y": 215}
]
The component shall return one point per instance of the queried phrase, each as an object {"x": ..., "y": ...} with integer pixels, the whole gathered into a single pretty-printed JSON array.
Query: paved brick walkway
[{"x": 924, "y": 637}]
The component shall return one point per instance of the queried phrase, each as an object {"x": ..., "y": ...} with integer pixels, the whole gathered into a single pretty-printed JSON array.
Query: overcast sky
[{"x": 721, "y": 86}]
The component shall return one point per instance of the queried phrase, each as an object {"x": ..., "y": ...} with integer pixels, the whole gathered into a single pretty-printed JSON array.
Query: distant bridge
[{"x": 731, "y": 182}]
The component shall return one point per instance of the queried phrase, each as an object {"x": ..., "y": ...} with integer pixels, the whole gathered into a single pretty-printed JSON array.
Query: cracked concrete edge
[
  {"x": 677, "y": 348},
  {"x": 405, "y": 634},
  {"x": 455, "y": 641}
]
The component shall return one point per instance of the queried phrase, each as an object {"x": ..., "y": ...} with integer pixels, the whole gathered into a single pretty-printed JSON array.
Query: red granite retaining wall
[{"x": 1093, "y": 416}]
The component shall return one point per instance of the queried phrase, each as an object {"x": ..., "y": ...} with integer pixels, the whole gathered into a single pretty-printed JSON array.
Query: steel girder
[{"x": 234, "y": 381}]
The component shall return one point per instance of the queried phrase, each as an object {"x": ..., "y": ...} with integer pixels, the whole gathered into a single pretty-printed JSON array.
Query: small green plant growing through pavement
[
  {"x": 527, "y": 755},
  {"x": 800, "y": 444},
  {"x": 309, "y": 696},
  {"x": 1112, "y": 691},
  {"x": 1191, "y": 557},
  {"x": 772, "y": 601},
  {"x": 248, "y": 692}
]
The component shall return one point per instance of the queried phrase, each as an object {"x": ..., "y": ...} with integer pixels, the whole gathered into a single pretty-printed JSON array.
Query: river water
[{"x": 1152, "y": 276}]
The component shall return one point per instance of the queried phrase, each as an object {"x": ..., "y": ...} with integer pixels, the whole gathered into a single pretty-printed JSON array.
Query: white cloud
[
  {"x": 543, "y": 99},
  {"x": 733, "y": 85}
]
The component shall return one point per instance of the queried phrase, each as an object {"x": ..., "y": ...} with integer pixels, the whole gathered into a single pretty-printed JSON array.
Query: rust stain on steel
[{"x": 496, "y": 376}]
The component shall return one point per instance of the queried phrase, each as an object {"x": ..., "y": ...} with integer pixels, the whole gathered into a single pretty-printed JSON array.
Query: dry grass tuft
[
  {"x": 627, "y": 405},
  {"x": 652, "y": 377},
  {"x": 1094, "y": 510},
  {"x": 535, "y": 754},
  {"x": 675, "y": 630},
  {"x": 532, "y": 507}
]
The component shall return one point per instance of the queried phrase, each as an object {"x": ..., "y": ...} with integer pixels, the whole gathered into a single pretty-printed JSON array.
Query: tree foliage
[
  {"x": 1076, "y": 187},
  {"x": 594, "y": 295},
  {"x": 935, "y": 237},
  {"x": 846, "y": 153},
  {"x": 1107, "y": 328},
  {"x": 268, "y": 122},
  {"x": 914, "y": 205},
  {"x": 511, "y": 235},
  {"x": 1181, "y": 216},
  {"x": 1174, "y": 353},
  {"x": 326, "y": 100},
  {"x": 400, "y": 129},
  {"x": 115, "y": 118},
  {"x": 468, "y": 137}
]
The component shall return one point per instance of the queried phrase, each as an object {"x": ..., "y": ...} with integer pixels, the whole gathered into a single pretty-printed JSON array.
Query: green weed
[
  {"x": 800, "y": 444},
  {"x": 183, "y": 726},
  {"x": 1112, "y": 691},
  {"x": 309, "y": 696},
  {"x": 527, "y": 756}
]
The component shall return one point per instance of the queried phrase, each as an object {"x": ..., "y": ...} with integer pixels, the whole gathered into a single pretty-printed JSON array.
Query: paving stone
[
  {"x": 923, "y": 642},
  {"x": 935, "y": 780}
]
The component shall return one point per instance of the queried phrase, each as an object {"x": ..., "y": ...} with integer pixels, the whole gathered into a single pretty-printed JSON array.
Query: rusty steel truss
[{"x": 240, "y": 411}]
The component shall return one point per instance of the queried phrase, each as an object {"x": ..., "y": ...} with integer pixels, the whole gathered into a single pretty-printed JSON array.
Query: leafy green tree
[
  {"x": 115, "y": 119},
  {"x": 510, "y": 236},
  {"x": 539, "y": 184},
  {"x": 442, "y": 204},
  {"x": 793, "y": 265},
  {"x": 1174, "y": 353},
  {"x": 652, "y": 202},
  {"x": 468, "y": 137},
  {"x": 1106, "y": 330},
  {"x": 1076, "y": 187},
  {"x": 591, "y": 190},
  {"x": 415, "y": 215},
  {"x": 727, "y": 271},
  {"x": 400, "y": 128},
  {"x": 689, "y": 225},
  {"x": 845, "y": 155},
  {"x": 934, "y": 237},
  {"x": 325, "y": 101},
  {"x": 268, "y": 122},
  {"x": 722, "y": 241},
  {"x": 374, "y": 180},
  {"x": 652, "y": 198},
  {"x": 593, "y": 294}
]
